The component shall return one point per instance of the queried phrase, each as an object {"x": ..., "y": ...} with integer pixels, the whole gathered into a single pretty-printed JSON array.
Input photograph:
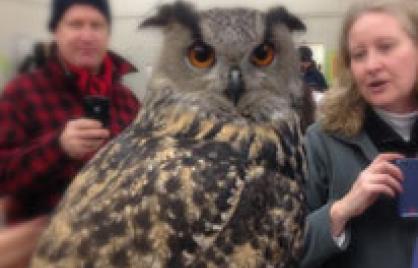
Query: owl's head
[{"x": 239, "y": 62}]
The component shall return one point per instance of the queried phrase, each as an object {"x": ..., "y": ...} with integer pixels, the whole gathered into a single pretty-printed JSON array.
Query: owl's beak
[{"x": 235, "y": 85}]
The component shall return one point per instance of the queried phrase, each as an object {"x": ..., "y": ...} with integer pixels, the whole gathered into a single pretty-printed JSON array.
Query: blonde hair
[{"x": 343, "y": 108}]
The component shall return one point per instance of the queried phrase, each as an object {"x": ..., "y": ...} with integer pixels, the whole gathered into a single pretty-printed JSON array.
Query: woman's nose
[{"x": 373, "y": 62}]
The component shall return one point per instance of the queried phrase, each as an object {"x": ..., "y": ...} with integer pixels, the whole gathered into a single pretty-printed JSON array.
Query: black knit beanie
[
  {"x": 59, "y": 7},
  {"x": 305, "y": 54}
]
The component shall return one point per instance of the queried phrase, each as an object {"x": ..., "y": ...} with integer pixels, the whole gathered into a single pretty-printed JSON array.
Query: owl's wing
[
  {"x": 173, "y": 202},
  {"x": 143, "y": 202},
  {"x": 266, "y": 228}
]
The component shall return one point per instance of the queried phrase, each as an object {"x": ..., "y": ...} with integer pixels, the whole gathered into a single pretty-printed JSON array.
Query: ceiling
[{"x": 303, "y": 7}]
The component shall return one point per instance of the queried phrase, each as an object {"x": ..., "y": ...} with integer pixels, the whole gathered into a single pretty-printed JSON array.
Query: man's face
[
  {"x": 304, "y": 65},
  {"x": 82, "y": 36}
]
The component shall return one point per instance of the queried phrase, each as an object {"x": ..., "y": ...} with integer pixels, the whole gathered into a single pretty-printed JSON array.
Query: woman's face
[{"x": 383, "y": 62}]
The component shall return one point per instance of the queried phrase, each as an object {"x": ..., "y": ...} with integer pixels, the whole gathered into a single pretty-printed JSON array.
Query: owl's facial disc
[{"x": 236, "y": 85}]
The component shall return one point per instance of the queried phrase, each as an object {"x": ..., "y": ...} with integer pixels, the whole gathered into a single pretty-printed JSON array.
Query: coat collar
[
  {"x": 361, "y": 141},
  {"x": 387, "y": 139},
  {"x": 384, "y": 137}
]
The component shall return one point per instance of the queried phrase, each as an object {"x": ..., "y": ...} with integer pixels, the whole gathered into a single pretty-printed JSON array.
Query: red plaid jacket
[{"x": 34, "y": 108}]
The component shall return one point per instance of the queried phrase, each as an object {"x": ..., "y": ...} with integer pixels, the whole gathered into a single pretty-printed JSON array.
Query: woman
[{"x": 365, "y": 124}]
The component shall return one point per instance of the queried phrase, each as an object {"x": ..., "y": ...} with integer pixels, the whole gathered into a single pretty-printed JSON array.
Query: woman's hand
[{"x": 380, "y": 177}]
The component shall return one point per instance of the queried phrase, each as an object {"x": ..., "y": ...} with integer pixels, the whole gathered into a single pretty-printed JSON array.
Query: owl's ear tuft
[
  {"x": 178, "y": 12},
  {"x": 280, "y": 15}
]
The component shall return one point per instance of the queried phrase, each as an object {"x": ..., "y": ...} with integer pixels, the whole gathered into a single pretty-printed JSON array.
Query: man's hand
[
  {"x": 82, "y": 137},
  {"x": 18, "y": 242}
]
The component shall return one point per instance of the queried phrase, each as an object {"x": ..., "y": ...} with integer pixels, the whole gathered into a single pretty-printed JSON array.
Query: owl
[{"x": 210, "y": 174}]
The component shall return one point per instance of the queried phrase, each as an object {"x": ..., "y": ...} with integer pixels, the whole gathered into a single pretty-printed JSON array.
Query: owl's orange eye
[
  {"x": 263, "y": 55},
  {"x": 201, "y": 55}
]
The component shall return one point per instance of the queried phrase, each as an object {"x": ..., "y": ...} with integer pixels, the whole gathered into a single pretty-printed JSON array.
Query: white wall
[
  {"x": 24, "y": 21},
  {"x": 20, "y": 24}
]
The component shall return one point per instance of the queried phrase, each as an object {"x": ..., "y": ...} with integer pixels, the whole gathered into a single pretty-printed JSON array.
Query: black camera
[{"x": 97, "y": 107}]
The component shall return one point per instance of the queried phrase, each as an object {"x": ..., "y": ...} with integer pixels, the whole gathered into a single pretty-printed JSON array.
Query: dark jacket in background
[{"x": 314, "y": 79}]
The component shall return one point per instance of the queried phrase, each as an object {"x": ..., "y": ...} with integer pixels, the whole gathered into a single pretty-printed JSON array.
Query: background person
[{"x": 311, "y": 74}]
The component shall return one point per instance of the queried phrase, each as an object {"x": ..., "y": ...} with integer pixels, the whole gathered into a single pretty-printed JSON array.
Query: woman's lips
[{"x": 378, "y": 85}]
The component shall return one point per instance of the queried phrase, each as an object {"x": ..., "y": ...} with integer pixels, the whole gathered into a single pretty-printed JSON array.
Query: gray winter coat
[{"x": 378, "y": 238}]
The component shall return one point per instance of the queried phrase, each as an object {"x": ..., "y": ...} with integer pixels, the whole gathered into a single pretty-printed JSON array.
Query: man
[
  {"x": 312, "y": 77},
  {"x": 46, "y": 135}
]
